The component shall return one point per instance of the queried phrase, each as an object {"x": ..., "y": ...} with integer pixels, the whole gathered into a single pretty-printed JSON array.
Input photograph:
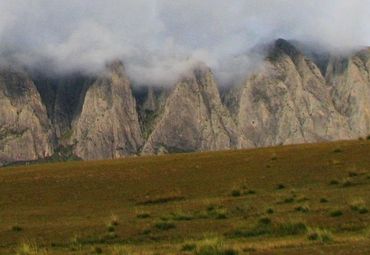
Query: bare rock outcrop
[
  {"x": 193, "y": 118},
  {"x": 108, "y": 125},
  {"x": 349, "y": 80},
  {"x": 25, "y": 131},
  {"x": 287, "y": 102}
]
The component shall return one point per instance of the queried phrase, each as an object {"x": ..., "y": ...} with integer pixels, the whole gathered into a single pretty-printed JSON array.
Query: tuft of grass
[
  {"x": 352, "y": 174},
  {"x": 112, "y": 223},
  {"x": 119, "y": 250},
  {"x": 214, "y": 247},
  {"x": 162, "y": 200},
  {"x": 250, "y": 192},
  {"x": 302, "y": 199},
  {"x": 114, "y": 220},
  {"x": 16, "y": 228},
  {"x": 270, "y": 211},
  {"x": 303, "y": 208},
  {"x": 181, "y": 216},
  {"x": 338, "y": 150},
  {"x": 75, "y": 243},
  {"x": 265, "y": 221},
  {"x": 336, "y": 213},
  {"x": 213, "y": 212},
  {"x": 288, "y": 200},
  {"x": 111, "y": 228},
  {"x": 236, "y": 193},
  {"x": 324, "y": 200},
  {"x": 334, "y": 182},
  {"x": 189, "y": 247},
  {"x": 29, "y": 248},
  {"x": 143, "y": 215},
  {"x": 97, "y": 250},
  {"x": 164, "y": 225},
  {"x": 347, "y": 182},
  {"x": 359, "y": 206},
  {"x": 320, "y": 235},
  {"x": 280, "y": 186},
  {"x": 266, "y": 227}
]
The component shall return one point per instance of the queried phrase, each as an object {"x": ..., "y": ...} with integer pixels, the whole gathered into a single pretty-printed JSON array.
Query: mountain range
[{"x": 297, "y": 96}]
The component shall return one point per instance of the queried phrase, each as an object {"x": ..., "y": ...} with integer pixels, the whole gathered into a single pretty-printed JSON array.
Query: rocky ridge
[{"x": 292, "y": 98}]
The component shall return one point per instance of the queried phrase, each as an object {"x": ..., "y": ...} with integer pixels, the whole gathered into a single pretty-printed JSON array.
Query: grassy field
[{"x": 301, "y": 199}]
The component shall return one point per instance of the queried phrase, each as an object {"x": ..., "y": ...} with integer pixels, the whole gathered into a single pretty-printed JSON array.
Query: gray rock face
[
  {"x": 349, "y": 80},
  {"x": 108, "y": 126},
  {"x": 25, "y": 131},
  {"x": 193, "y": 118},
  {"x": 287, "y": 102},
  {"x": 63, "y": 97},
  {"x": 292, "y": 98}
]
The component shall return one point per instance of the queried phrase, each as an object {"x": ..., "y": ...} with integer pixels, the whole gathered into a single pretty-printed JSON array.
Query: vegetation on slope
[{"x": 305, "y": 199}]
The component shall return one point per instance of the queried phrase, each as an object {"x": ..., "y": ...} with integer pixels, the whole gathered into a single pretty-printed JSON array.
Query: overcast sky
[{"x": 158, "y": 39}]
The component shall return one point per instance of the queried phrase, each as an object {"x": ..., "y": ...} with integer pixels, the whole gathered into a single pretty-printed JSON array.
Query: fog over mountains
[
  {"x": 161, "y": 39},
  {"x": 94, "y": 80}
]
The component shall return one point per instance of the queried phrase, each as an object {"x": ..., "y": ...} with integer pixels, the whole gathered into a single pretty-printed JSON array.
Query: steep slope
[
  {"x": 193, "y": 118},
  {"x": 108, "y": 125},
  {"x": 24, "y": 126},
  {"x": 150, "y": 104},
  {"x": 287, "y": 101},
  {"x": 62, "y": 98},
  {"x": 349, "y": 78}
]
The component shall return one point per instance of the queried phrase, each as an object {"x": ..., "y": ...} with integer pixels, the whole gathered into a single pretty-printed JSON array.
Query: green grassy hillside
[{"x": 301, "y": 199}]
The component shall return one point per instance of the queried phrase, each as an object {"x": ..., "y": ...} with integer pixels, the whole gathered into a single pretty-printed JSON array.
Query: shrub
[
  {"x": 368, "y": 137},
  {"x": 320, "y": 235},
  {"x": 164, "y": 225},
  {"x": 189, "y": 247},
  {"x": 323, "y": 200},
  {"x": 336, "y": 213},
  {"x": 236, "y": 193}
]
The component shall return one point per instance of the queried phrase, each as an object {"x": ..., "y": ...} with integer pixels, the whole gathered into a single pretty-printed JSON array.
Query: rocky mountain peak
[{"x": 283, "y": 47}]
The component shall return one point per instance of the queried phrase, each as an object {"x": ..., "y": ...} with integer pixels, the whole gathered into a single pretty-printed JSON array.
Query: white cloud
[{"x": 159, "y": 39}]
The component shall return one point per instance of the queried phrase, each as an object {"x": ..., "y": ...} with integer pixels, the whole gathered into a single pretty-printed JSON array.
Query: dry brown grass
[{"x": 53, "y": 202}]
